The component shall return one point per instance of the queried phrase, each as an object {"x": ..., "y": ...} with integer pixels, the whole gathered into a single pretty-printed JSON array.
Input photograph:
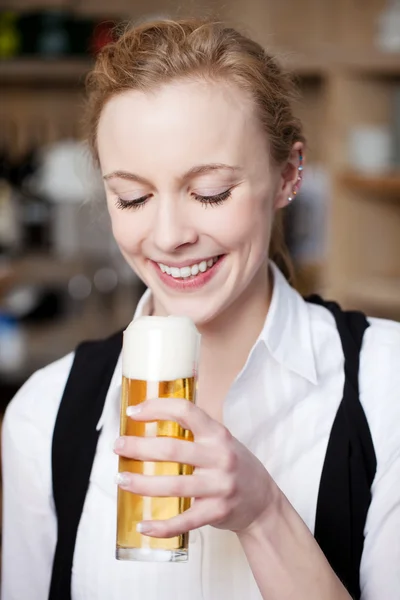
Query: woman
[{"x": 192, "y": 128}]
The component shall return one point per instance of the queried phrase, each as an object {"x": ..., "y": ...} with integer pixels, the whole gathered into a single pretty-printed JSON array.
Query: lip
[
  {"x": 183, "y": 263},
  {"x": 189, "y": 284}
]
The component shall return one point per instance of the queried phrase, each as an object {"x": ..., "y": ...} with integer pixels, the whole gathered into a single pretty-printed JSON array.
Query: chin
[{"x": 197, "y": 311}]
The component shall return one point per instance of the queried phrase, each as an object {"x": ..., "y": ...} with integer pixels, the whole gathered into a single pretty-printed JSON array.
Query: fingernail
[
  {"x": 123, "y": 479},
  {"x": 143, "y": 528},
  {"x": 119, "y": 443},
  {"x": 133, "y": 410}
]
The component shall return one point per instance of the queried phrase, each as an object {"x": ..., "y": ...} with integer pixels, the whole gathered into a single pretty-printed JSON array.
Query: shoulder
[
  {"x": 379, "y": 381},
  {"x": 381, "y": 334},
  {"x": 34, "y": 408},
  {"x": 379, "y": 362},
  {"x": 325, "y": 336}
]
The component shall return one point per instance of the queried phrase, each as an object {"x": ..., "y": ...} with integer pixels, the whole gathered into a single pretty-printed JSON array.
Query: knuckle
[
  {"x": 224, "y": 436},
  {"x": 185, "y": 409},
  {"x": 169, "y": 450},
  {"x": 229, "y": 487},
  {"x": 131, "y": 448},
  {"x": 175, "y": 488},
  {"x": 229, "y": 460},
  {"x": 221, "y": 510},
  {"x": 162, "y": 530},
  {"x": 137, "y": 447},
  {"x": 136, "y": 484}
]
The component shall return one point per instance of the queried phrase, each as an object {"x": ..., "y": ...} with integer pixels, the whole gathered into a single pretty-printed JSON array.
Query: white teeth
[{"x": 185, "y": 272}]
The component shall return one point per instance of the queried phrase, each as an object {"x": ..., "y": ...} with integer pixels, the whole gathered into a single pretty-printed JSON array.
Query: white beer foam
[{"x": 160, "y": 348}]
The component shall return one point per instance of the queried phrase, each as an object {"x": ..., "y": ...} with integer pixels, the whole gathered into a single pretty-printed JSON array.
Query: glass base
[{"x": 151, "y": 554}]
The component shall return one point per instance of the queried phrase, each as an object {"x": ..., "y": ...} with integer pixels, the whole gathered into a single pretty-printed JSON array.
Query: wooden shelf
[
  {"x": 45, "y": 71},
  {"x": 69, "y": 70},
  {"x": 42, "y": 71},
  {"x": 304, "y": 65},
  {"x": 377, "y": 294},
  {"x": 328, "y": 61},
  {"x": 384, "y": 185},
  {"x": 372, "y": 63}
]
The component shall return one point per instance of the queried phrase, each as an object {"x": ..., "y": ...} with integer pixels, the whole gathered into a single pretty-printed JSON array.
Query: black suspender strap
[
  {"x": 74, "y": 447},
  {"x": 350, "y": 463}
]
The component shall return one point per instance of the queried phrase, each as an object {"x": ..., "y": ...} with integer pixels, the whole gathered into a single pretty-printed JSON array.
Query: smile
[{"x": 190, "y": 270}]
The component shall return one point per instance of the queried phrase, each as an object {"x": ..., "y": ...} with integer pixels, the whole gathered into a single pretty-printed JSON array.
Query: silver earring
[{"x": 299, "y": 178}]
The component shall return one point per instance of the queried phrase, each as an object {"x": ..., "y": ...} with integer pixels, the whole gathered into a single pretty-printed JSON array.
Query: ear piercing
[{"x": 297, "y": 185}]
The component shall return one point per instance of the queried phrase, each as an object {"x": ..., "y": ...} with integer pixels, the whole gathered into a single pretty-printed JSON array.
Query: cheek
[
  {"x": 127, "y": 231},
  {"x": 243, "y": 222}
]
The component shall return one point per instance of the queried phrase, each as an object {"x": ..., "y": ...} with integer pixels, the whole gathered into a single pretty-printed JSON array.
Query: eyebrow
[{"x": 198, "y": 170}]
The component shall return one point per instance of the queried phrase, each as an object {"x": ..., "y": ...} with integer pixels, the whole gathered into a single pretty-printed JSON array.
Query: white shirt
[{"x": 281, "y": 406}]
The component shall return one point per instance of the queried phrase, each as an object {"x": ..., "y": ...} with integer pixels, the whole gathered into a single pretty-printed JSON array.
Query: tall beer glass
[{"x": 159, "y": 360}]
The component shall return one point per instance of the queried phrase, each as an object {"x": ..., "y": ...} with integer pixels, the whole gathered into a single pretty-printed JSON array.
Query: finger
[
  {"x": 165, "y": 449},
  {"x": 182, "y": 411},
  {"x": 195, "y": 517},
  {"x": 170, "y": 486}
]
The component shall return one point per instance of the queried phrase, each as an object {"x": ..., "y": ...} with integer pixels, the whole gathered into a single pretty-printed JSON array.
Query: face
[{"x": 191, "y": 193}]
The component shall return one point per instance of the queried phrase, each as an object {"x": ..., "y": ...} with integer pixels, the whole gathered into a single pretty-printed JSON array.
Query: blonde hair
[{"x": 146, "y": 56}]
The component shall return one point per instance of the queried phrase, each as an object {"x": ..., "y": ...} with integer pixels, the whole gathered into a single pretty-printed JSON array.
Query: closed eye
[
  {"x": 137, "y": 203},
  {"x": 215, "y": 199}
]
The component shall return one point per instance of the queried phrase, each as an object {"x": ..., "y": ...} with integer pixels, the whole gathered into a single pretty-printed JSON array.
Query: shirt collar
[{"x": 287, "y": 329}]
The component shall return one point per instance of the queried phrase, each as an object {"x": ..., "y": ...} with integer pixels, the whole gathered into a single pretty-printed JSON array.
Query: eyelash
[{"x": 205, "y": 200}]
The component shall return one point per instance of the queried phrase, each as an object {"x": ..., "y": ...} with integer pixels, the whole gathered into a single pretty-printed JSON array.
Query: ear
[{"x": 291, "y": 176}]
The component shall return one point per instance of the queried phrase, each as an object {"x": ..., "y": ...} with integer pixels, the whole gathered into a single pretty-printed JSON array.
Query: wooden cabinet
[{"x": 363, "y": 262}]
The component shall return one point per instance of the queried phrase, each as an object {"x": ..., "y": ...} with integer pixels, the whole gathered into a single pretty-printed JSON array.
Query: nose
[{"x": 173, "y": 226}]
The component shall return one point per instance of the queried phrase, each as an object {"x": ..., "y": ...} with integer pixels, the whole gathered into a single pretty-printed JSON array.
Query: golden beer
[{"x": 161, "y": 345}]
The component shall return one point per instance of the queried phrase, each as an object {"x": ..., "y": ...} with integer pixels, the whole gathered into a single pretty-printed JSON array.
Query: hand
[{"x": 231, "y": 487}]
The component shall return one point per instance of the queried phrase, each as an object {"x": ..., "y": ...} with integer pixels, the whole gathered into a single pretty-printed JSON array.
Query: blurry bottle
[
  {"x": 12, "y": 346},
  {"x": 45, "y": 33},
  {"x": 34, "y": 209},
  {"x": 102, "y": 35},
  {"x": 54, "y": 37},
  {"x": 388, "y": 38},
  {"x": 10, "y": 225},
  {"x": 10, "y": 38}
]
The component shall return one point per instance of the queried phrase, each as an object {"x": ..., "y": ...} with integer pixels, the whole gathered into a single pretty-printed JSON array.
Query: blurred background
[{"x": 63, "y": 280}]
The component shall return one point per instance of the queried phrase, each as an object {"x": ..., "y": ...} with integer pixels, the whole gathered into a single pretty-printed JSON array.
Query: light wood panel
[
  {"x": 383, "y": 186},
  {"x": 311, "y": 109},
  {"x": 357, "y": 22},
  {"x": 378, "y": 296},
  {"x": 288, "y": 23},
  {"x": 22, "y": 72},
  {"x": 39, "y": 117}
]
